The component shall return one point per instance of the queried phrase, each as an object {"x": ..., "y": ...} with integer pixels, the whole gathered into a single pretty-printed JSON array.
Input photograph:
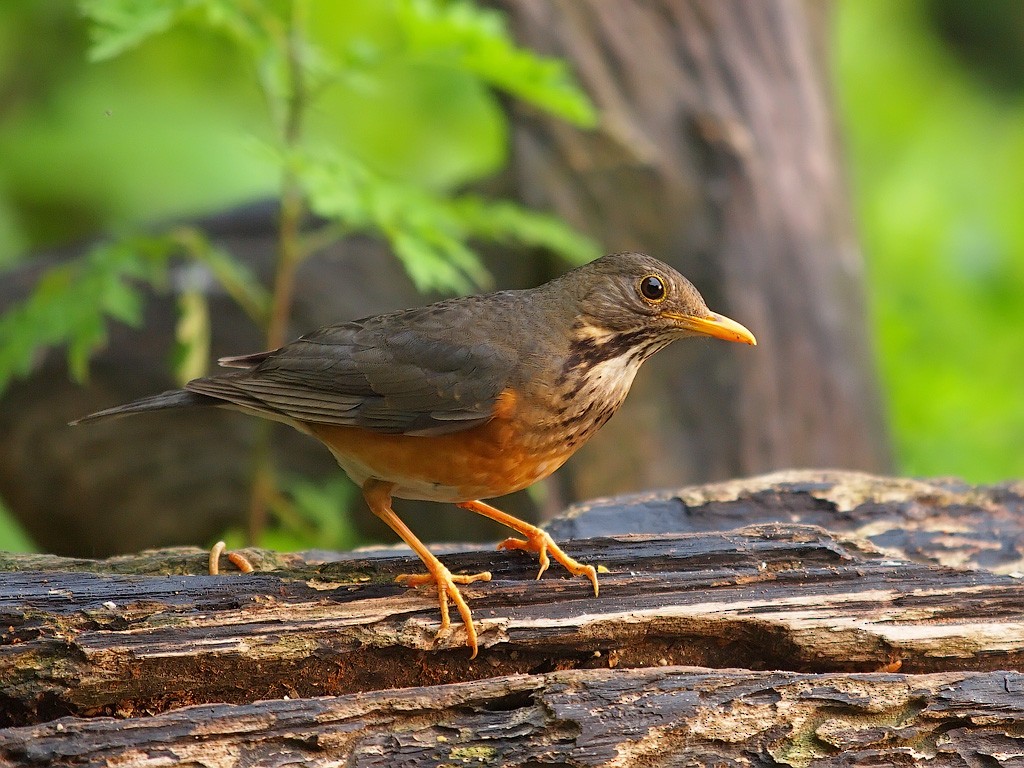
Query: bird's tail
[{"x": 175, "y": 398}]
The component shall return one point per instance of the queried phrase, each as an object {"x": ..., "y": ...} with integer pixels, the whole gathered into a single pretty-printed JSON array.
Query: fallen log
[
  {"x": 664, "y": 717},
  {"x": 763, "y": 597},
  {"x": 152, "y": 642}
]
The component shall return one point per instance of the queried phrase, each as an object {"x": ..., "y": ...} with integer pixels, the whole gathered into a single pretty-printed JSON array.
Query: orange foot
[
  {"x": 535, "y": 540},
  {"x": 540, "y": 542},
  {"x": 446, "y": 581}
]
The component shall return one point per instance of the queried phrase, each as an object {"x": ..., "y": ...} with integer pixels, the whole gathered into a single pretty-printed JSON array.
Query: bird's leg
[
  {"x": 378, "y": 497},
  {"x": 536, "y": 540}
]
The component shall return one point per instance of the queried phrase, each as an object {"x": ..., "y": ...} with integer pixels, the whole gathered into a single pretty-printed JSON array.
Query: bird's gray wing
[{"x": 406, "y": 372}]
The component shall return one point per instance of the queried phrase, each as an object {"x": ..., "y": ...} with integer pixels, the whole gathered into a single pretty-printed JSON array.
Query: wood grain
[
  {"x": 772, "y": 643},
  {"x": 762, "y": 597},
  {"x": 672, "y": 716}
]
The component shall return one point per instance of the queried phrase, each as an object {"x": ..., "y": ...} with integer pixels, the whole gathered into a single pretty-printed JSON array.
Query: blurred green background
[{"x": 930, "y": 96}]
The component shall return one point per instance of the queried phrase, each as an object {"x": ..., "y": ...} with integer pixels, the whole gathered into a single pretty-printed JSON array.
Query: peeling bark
[
  {"x": 670, "y": 716},
  {"x": 942, "y": 521},
  {"x": 142, "y": 660},
  {"x": 762, "y": 597}
]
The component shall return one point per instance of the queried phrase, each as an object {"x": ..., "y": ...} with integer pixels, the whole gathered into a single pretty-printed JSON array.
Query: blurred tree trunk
[{"x": 717, "y": 152}]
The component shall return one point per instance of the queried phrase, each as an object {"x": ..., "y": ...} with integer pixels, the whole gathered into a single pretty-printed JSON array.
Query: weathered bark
[
  {"x": 775, "y": 597},
  {"x": 563, "y": 676},
  {"x": 717, "y": 151},
  {"x": 942, "y": 521},
  {"x": 579, "y": 718}
]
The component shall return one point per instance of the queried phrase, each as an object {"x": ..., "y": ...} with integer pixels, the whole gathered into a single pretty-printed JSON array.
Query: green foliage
[
  {"x": 234, "y": 277},
  {"x": 937, "y": 165},
  {"x": 121, "y": 25},
  {"x": 192, "y": 336},
  {"x": 314, "y": 517},
  {"x": 429, "y": 232},
  {"x": 462, "y": 36},
  {"x": 71, "y": 305},
  {"x": 504, "y": 222}
]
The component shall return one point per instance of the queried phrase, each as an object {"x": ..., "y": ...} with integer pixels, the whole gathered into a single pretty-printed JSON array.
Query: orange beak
[{"x": 719, "y": 326}]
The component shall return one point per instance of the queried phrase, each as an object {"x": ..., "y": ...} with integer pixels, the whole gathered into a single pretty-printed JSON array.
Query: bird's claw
[
  {"x": 540, "y": 541},
  {"x": 446, "y": 589}
]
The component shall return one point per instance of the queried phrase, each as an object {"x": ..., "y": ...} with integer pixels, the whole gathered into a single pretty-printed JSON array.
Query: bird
[{"x": 468, "y": 398}]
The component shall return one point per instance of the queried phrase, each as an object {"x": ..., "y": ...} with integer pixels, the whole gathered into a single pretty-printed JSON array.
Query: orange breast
[{"x": 499, "y": 457}]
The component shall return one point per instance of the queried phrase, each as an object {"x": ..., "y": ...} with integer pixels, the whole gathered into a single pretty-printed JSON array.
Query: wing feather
[{"x": 407, "y": 372}]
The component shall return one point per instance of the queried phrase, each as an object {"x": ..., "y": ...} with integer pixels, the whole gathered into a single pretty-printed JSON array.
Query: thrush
[{"x": 469, "y": 398}]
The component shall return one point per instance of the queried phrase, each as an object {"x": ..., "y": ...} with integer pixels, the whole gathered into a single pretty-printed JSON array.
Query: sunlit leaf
[
  {"x": 119, "y": 25},
  {"x": 477, "y": 40},
  {"x": 426, "y": 265},
  {"x": 505, "y": 221},
  {"x": 429, "y": 231}
]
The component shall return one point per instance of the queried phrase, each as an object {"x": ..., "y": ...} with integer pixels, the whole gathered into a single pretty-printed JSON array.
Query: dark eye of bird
[{"x": 652, "y": 288}]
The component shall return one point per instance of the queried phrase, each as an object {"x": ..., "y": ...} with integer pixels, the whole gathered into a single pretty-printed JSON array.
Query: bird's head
[{"x": 634, "y": 296}]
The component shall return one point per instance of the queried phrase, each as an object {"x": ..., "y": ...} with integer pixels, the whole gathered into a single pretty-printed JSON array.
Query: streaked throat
[{"x": 597, "y": 374}]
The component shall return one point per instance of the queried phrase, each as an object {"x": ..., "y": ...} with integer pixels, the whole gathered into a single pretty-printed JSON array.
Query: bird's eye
[{"x": 652, "y": 288}]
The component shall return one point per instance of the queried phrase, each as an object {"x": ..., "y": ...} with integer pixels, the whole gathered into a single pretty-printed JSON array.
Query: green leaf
[
  {"x": 120, "y": 25},
  {"x": 307, "y": 514},
  {"x": 504, "y": 222},
  {"x": 90, "y": 334},
  {"x": 427, "y": 265},
  {"x": 429, "y": 231},
  {"x": 234, "y": 276},
  {"x": 72, "y": 302},
  {"x": 12, "y": 536},
  {"x": 476, "y": 40},
  {"x": 419, "y": 223},
  {"x": 323, "y": 505}
]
